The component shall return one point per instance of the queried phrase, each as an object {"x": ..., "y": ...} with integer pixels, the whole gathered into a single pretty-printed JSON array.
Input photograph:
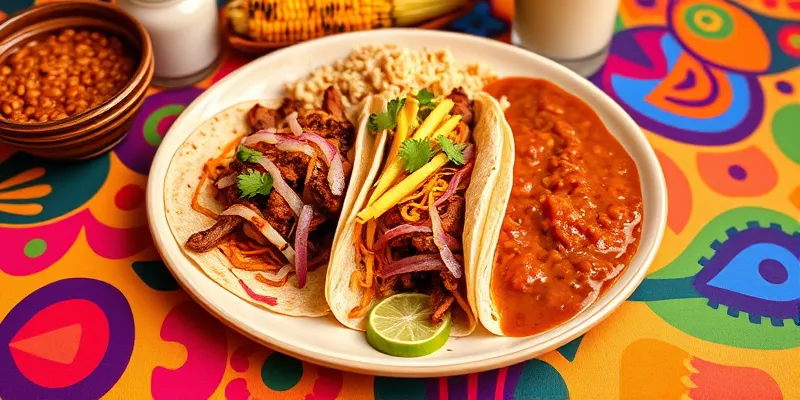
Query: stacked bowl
[{"x": 72, "y": 77}]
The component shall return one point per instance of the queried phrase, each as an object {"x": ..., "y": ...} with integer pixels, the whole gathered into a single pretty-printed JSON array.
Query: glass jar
[
  {"x": 185, "y": 37},
  {"x": 574, "y": 33}
]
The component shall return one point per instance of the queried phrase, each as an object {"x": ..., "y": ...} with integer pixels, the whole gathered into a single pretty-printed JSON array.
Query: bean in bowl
[{"x": 63, "y": 75}]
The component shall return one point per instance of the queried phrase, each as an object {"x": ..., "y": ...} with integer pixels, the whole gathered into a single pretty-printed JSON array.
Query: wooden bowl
[
  {"x": 97, "y": 129},
  {"x": 250, "y": 46}
]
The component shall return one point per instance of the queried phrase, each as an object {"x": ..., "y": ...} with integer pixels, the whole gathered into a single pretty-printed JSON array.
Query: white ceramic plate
[{"x": 323, "y": 340}]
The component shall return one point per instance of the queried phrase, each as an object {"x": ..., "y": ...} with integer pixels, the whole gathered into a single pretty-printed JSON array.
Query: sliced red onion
[
  {"x": 469, "y": 153},
  {"x": 327, "y": 147},
  {"x": 421, "y": 262},
  {"x": 296, "y": 146},
  {"x": 336, "y": 175},
  {"x": 453, "y": 185},
  {"x": 301, "y": 244},
  {"x": 279, "y": 274},
  {"x": 267, "y": 136},
  {"x": 226, "y": 181},
  {"x": 280, "y": 185},
  {"x": 440, "y": 240},
  {"x": 264, "y": 227},
  {"x": 406, "y": 229},
  {"x": 293, "y": 124}
]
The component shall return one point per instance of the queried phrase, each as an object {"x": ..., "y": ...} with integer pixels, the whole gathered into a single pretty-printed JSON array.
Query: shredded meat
[
  {"x": 407, "y": 281},
  {"x": 289, "y": 106},
  {"x": 317, "y": 220},
  {"x": 332, "y": 103},
  {"x": 339, "y": 131},
  {"x": 424, "y": 243},
  {"x": 392, "y": 218},
  {"x": 453, "y": 216},
  {"x": 292, "y": 165},
  {"x": 278, "y": 213},
  {"x": 321, "y": 191},
  {"x": 208, "y": 239},
  {"x": 463, "y": 106},
  {"x": 441, "y": 303},
  {"x": 450, "y": 283},
  {"x": 294, "y": 168},
  {"x": 387, "y": 286},
  {"x": 261, "y": 117}
]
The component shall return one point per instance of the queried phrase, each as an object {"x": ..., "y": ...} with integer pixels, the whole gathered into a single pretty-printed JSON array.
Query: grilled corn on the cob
[{"x": 286, "y": 21}]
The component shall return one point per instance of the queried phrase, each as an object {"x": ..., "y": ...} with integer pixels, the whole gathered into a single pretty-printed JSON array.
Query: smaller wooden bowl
[
  {"x": 99, "y": 128},
  {"x": 250, "y": 46}
]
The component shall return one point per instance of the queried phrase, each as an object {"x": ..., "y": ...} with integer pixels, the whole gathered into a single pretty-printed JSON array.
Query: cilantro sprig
[
  {"x": 426, "y": 98},
  {"x": 454, "y": 152},
  {"x": 416, "y": 153},
  {"x": 427, "y": 102},
  {"x": 387, "y": 119},
  {"x": 246, "y": 154},
  {"x": 253, "y": 183}
]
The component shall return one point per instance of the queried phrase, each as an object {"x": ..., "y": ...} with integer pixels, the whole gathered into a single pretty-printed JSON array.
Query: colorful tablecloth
[{"x": 90, "y": 311}]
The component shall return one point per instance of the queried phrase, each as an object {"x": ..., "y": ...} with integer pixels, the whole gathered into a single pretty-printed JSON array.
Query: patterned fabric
[{"x": 89, "y": 311}]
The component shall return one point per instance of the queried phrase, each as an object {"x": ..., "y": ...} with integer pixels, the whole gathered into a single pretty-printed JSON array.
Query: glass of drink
[{"x": 574, "y": 33}]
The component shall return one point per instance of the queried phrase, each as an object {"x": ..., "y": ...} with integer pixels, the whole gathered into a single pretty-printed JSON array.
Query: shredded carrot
[
  {"x": 355, "y": 280},
  {"x": 269, "y": 282},
  {"x": 369, "y": 260},
  {"x": 196, "y": 203},
  {"x": 233, "y": 253},
  {"x": 210, "y": 170},
  {"x": 410, "y": 214},
  {"x": 361, "y": 309},
  {"x": 357, "y": 241},
  {"x": 255, "y": 252}
]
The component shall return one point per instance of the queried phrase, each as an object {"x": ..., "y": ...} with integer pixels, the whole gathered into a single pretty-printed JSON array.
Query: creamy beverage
[{"x": 565, "y": 30}]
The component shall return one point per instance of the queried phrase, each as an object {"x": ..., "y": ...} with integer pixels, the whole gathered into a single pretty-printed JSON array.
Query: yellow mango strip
[
  {"x": 394, "y": 169},
  {"x": 388, "y": 176},
  {"x": 434, "y": 119},
  {"x": 404, "y": 118},
  {"x": 447, "y": 127},
  {"x": 402, "y": 189}
]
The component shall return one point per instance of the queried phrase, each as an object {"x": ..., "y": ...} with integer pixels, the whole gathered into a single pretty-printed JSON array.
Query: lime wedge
[{"x": 401, "y": 326}]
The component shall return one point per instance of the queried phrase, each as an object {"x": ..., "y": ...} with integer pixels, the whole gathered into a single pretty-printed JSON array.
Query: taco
[
  {"x": 254, "y": 194},
  {"x": 419, "y": 227}
]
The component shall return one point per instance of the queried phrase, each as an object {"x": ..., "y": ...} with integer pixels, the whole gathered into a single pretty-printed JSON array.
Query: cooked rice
[{"x": 391, "y": 71}]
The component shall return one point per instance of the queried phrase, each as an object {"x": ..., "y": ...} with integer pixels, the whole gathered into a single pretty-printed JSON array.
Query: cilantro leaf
[
  {"x": 427, "y": 102},
  {"x": 395, "y": 106},
  {"x": 454, "y": 152},
  {"x": 254, "y": 183},
  {"x": 416, "y": 153},
  {"x": 425, "y": 98},
  {"x": 379, "y": 122},
  {"x": 387, "y": 119},
  {"x": 246, "y": 154}
]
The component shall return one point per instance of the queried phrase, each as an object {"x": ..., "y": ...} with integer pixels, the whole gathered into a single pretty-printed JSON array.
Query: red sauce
[{"x": 574, "y": 217}]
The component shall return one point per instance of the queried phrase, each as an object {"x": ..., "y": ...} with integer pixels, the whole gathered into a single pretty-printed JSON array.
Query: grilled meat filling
[
  {"x": 462, "y": 107},
  {"x": 442, "y": 286},
  {"x": 261, "y": 117},
  {"x": 329, "y": 123},
  {"x": 206, "y": 240}
]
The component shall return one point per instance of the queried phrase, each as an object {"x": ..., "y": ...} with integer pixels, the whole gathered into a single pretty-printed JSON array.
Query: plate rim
[{"x": 160, "y": 231}]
